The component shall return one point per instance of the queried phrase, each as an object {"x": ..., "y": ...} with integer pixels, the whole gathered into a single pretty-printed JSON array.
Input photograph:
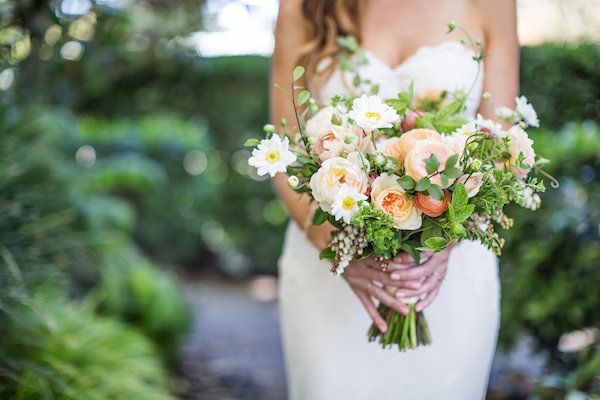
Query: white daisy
[
  {"x": 370, "y": 112},
  {"x": 345, "y": 204},
  {"x": 272, "y": 156},
  {"x": 526, "y": 111},
  {"x": 487, "y": 125}
]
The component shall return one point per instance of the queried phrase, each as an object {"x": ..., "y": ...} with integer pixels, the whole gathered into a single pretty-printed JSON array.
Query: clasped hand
[{"x": 401, "y": 281}]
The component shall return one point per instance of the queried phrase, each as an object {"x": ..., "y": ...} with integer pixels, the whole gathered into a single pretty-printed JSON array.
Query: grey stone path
[
  {"x": 234, "y": 351},
  {"x": 236, "y": 337}
]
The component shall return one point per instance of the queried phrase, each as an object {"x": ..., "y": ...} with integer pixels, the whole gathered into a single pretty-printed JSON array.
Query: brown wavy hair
[{"x": 327, "y": 19}]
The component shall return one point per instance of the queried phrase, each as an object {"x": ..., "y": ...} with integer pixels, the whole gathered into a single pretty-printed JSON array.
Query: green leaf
[
  {"x": 348, "y": 42},
  {"x": 445, "y": 182},
  {"x": 431, "y": 232},
  {"x": 319, "y": 217},
  {"x": 251, "y": 142},
  {"x": 436, "y": 243},
  {"x": 464, "y": 213},
  {"x": 436, "y": 192},
  {"x": 374, "y": 90},
  {"x": 451, "y": 161},
  {"x": 459, "y": 197},
  {"x": 457, "y": 229},
  {"x": 298, "y": 72},
  {"x": 425, "y": 121},
  {"x": 432, "y": 163},
  {"x": 303, "y": 97},
  {"x": 406, "y": 182},
  {"x": 453, "y": 172},
  {"x": 356, "y": 81},
  {"x": 423, "y": 184},
  {"x": 327, "y": 254},
  {"x": 449, "y": 110}
]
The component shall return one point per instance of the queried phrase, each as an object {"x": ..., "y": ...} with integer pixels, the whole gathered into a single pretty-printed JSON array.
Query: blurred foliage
[
  {"x": 562, "y": 81},
  {"x": 53, "y": 250},
  {"x": 551, "y": 264}
]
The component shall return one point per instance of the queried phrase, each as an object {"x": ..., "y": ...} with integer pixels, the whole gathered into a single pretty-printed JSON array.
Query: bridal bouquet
[{"x": 404, "y": 174}]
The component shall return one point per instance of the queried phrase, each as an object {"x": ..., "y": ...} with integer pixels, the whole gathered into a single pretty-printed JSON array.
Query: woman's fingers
[
  {"x": 422, "y": 304},
  {"x": 428, "y": 284},
  {"x": 414, "y": 273},
  {"x": 386, "y": 279},
  {"x": 371, "y": 309},
  {"x": 385, "y": 297}
]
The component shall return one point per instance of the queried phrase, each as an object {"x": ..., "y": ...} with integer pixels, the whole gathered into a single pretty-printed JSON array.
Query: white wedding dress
[{"x": 324, "y": 325}]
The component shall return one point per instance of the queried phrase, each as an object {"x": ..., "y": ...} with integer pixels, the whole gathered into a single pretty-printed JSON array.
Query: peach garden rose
[
  {"x": 399, "y": 147},
  {"x": 414, "y": 164},
  {"x": 388, "y": 196}
]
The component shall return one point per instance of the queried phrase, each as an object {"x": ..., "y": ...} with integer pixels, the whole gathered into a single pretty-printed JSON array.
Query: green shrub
[
  {"x": 137, "y": 292},
  {"x": 55, "y": 241},
  {"x": 59, "y": 350}
]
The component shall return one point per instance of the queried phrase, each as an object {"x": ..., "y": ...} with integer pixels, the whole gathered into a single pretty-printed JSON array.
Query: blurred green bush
[
  {"x": 551, "y": 264},
  {"x": 56, "y": 243}
]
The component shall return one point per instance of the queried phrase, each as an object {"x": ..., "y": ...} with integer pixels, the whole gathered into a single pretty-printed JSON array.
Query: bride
[{"x": 324, "y": 319}]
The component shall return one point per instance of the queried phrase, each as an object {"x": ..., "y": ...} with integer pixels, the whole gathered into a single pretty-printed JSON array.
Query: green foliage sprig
[{"x": 379, "y": 231}]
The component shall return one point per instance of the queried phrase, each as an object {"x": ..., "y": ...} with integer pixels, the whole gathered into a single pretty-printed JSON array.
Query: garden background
[{"x": 122, "y": 182}]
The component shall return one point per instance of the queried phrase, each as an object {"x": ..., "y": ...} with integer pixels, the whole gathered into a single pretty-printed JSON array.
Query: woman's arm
[
  {"x": 501, "y": 62},
  {"x": 291, "y": 34}
]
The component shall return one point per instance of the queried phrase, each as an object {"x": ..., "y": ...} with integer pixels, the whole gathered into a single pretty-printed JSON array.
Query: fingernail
[
  {"x": 382, "y": 328},
  {"x": 400, "y": 295},
  {"x": 395, "y": 276},
  {"x": 415, "y": 285},
  {"x": 418, "y": 307}
]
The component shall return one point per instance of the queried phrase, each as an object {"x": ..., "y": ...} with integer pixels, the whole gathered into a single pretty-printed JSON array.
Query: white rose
[
  {"x": 520, "y": 143},
  {"x": 472, "y": 184},
  {"x": 329, "y": 178},
  {"x": 320, "y": 123},
  {"x": 390, "y": 197}
]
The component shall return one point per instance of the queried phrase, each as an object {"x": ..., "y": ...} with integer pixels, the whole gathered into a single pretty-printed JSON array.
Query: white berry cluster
[{"x": 348, "y": 244}]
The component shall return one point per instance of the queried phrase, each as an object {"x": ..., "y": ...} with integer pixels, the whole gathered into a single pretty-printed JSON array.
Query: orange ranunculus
[
  {"x": 409, "y": 139},
  {"x": 431, "y": 206}
]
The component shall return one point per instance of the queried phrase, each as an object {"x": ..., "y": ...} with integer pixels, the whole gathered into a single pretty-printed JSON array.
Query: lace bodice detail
[{"x": 445, "y": 66}]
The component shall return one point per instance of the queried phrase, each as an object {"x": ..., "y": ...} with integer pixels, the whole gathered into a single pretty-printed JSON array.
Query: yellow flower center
[
  {"x": 340, "y": 174},
  {"x": 272, "y": 156},
  {"x": 348, "y": 203},
  {"x": 373, "y": 115}
]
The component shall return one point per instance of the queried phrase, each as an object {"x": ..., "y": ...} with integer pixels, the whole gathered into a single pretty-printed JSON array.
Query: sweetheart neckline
[{"x": 417, "y": 52}]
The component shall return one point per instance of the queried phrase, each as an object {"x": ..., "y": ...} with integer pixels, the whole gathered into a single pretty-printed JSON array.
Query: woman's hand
[
  {"x": 429, "y": 274},
  {"x": 364, "y": 278}
]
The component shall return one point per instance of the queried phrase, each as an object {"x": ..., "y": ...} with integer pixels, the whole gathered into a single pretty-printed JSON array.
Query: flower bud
[
  {"x": 476, "y": 164},
  {"x": 487, "y": 96},
  {"x": 293, "y": 181},
  {"x": 379, "y": 160},
  {"x": 269, "y": 128},
  {"x": 451, "y": 26},
  {"x": 478, "y": 42},
  {"x": 349, "y": 139},
  {"x": 311, "y": 140}
]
